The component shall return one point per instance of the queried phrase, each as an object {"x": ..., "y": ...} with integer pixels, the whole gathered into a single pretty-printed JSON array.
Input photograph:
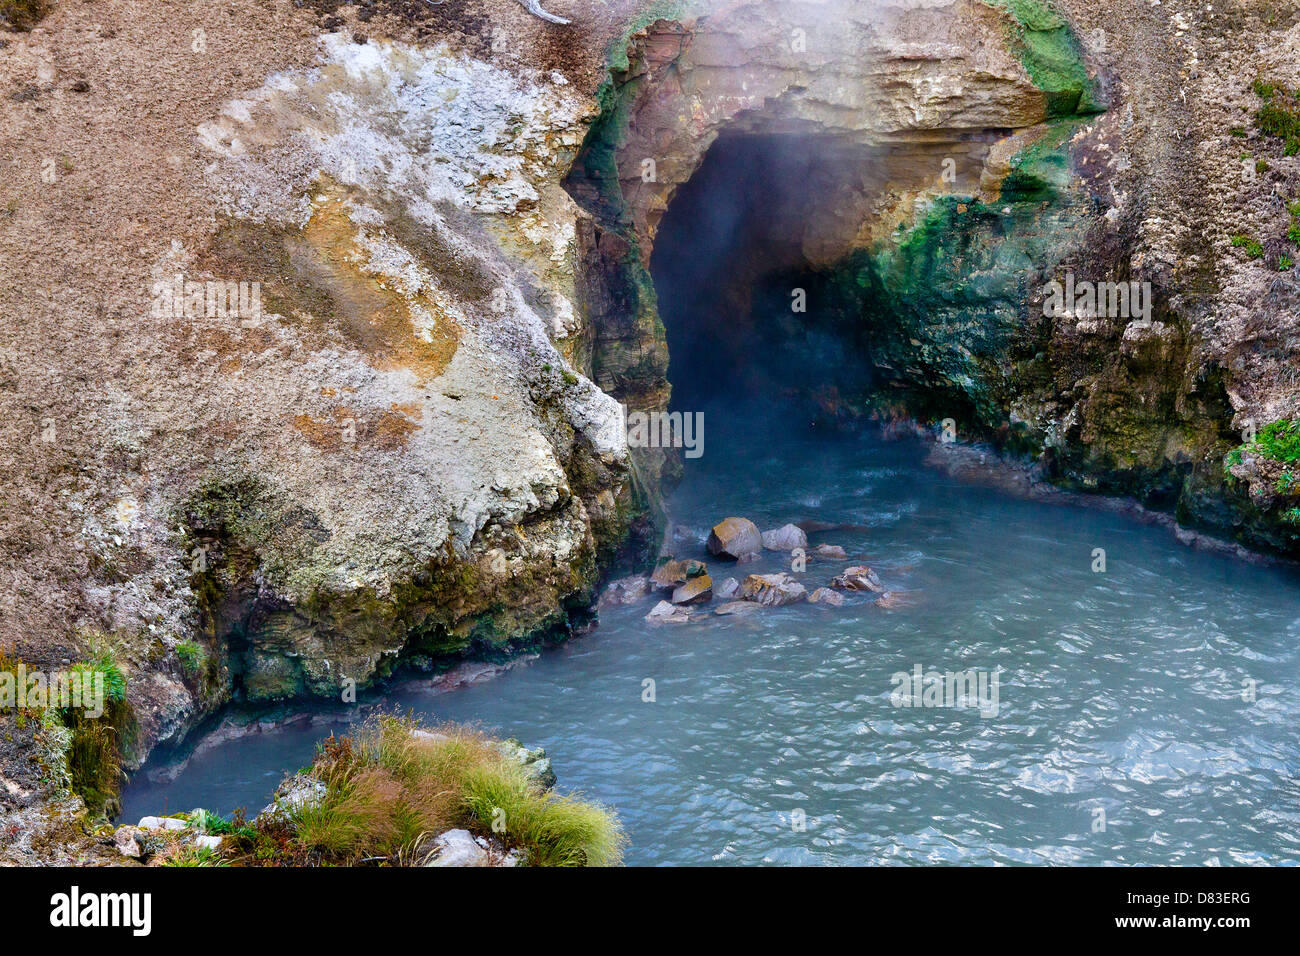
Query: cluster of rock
[
  {"x": 686, "y": 584},
  {"x": 153, "y": 834}
]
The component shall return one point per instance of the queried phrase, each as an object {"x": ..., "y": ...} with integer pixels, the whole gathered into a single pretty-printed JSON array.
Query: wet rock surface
[{"x": 734, "y": 538}]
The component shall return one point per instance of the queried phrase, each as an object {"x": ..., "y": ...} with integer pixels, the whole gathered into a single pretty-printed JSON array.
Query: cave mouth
[{"x": 753, "y": 310}]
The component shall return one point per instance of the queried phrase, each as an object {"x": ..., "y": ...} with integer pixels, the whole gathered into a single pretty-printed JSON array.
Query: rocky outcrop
[{"x": 965, "y": 155}]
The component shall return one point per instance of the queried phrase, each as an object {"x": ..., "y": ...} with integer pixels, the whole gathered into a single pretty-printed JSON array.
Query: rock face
[
  {"x": 785, "y": 538},
  {"x": 734, "y": 538},
  {"x": 389, "y": 445},
  {"x": 966, "y": 170},
  {"x": 772, "y": 590}
]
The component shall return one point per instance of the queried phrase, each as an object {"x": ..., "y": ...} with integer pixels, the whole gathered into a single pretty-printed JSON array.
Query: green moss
[
  {"x": 1253, "y": 248},
  {"x": 1278, "y": 441},
  {"x": 21, "y": 14},
  {"x": 1051, "y": 55},
  {"x": 1279, "y": 115}
]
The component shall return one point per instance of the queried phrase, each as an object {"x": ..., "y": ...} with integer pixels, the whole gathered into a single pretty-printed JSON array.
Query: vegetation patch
[
  {"x": 1278, "y": 441},
  {"x": 392, "y": 787},
  {"x": 1279, "y": 115},
  {"x": 82, "y": 753},
  {"x": 1051, "y": 55}
]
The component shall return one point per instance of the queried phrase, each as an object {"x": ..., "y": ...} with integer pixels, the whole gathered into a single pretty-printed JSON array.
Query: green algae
[{"x": 1050, "y": 52}]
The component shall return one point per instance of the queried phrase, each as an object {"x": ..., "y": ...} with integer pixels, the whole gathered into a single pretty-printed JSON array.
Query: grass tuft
[{"x": 393, "y": 786}]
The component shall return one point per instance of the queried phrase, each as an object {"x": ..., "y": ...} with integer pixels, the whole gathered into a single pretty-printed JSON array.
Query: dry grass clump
[{"x": 393, "y": 786}]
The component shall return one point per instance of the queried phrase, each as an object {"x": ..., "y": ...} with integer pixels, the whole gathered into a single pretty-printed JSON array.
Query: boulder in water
[
  {"x": 831, "y": 552},
  {"x": 826, "y": 596},
  {"x": 785, "y": 538},
  {"x": 665, "y": 613},
  {"x": 734, "y": 538},
  {"x": 738, "y": 607},
  {"x": 669, "y": 575},
  {"x": 890, "y": 600},
  {"x": 858, "y": 578},
  {"x": 627, "y": 590},
  {"x": 727, "y": 590},
  {"x": 694, "y": 591},
  {"x": 772, "y": 590}
]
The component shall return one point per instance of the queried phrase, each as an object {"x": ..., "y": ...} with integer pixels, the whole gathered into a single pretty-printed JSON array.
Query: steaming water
[{"x": 1120, "y": 691}]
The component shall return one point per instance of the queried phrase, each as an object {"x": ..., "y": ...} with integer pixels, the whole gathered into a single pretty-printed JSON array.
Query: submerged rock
[
  {"x": 826, "y": 596},
  {"x": 772, "y": 590},
  {"x": 785, "y": 538},
  {"x": 734, "y": 538},
  {"x": 671, "y": 574},
  {"x": 627, "y": 590},
  {"x": 694, "y": 591},
  {"x": 891, "y": 599},
  {"x": 858, "y": 578},
  {"x": 738, "y": 607},
  {"x": 666, "y": 613}
]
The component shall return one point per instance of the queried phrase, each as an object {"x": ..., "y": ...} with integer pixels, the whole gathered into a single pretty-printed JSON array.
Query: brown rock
[
  {"x": 665, "y": 613},
  {"x": 772, "y": 590},
  {"x": 127, "y": 841},
  {"x": 734, "y": 538},
  {"x": 830, "y": 552},
  {"x": 738, "y": 607},
  {"x": 669, "y": 575},
  {"x": 826, "y": 596},
  {"x": 858, "y": 578},
  {"x": 694, "y": 591},
  {"x": 672, "y": 574}
]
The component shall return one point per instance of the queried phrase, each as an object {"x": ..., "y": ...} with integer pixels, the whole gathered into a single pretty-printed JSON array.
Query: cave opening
[{"x": 755, "y": 299}]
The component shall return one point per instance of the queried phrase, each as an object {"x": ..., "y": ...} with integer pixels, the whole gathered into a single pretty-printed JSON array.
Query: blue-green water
[{"x": 1119, "y": 691}]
